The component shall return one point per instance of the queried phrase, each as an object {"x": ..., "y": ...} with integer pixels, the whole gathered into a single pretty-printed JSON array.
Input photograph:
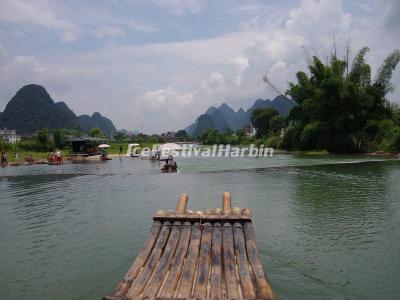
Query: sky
[{"x": 164, "y": 62}]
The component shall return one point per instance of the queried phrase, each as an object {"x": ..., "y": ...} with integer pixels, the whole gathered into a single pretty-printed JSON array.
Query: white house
[
  {"x": 9, "y": 135},
  {"x": 249, "y": 130}
]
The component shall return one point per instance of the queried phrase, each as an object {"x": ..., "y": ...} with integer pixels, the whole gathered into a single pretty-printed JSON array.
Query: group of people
[
  {"x": 4, "y": 159},
  {"x": 55, "y": 157},
  {"x": 170, "y": 165}
]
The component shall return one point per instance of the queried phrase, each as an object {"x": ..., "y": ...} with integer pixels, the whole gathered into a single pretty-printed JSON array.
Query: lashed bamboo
[
  {"x": 185, "y": 286},
  {"x": 200, "y": 290},
  {"x": 148, "y": 269},
  {"x": 263, "y": 287},
  {"x": 177, "y": 262},
  {"x": 200, "y": 256},
  {"x": 229, "y": 262},
  {"x": 243, "y": 266},
  {"x": 162, "y": 268},
  {"x": 140, "y": 260},
  {"x": 216, "y": 267}
]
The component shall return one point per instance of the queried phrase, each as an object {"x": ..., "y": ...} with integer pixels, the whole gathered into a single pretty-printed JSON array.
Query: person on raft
[
  {"x": 103, "y": 155},
  {"x": 30, "y": 159},
  {"x": 57, "y": 156},
  {"x": 170, "y": 165}
]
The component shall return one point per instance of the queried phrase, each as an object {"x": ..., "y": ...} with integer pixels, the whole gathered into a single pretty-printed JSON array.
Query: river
[{"x": 327, "y": 227}]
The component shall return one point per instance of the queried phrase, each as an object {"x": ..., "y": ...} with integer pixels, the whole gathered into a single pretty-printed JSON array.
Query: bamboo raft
[{"x": 209, "y": 254}]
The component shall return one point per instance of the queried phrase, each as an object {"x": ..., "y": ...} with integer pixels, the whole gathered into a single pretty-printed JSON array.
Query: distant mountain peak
[
  {"x": 210, "y": 110},
  {"x": 224, "y": 116},
  {"x": 224, "y": 105},
  {"x": 32, "y": 109}
]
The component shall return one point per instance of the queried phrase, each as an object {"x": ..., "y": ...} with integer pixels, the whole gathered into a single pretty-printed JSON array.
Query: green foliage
[
  {"x": 58, "y": 136},
  {"x": 384, "y": 75},
  {"x": 42, "y": 136},
  {"x": 213, "y": 136},
  {"x": 277, "y": 123},
  {"x": 240, "y": 133},
  {"x": 260, "y": 118},
  {"x": 274, "y": 142},
  {"x": 339, "y": 112},
  {"x": 182, "y": 135},
  {"x": 96, "y": 132},
  {"x": 395, "y": 142}
]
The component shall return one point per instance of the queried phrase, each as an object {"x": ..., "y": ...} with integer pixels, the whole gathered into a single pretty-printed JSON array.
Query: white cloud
[
  {"x": 103, "y": 31},
  {"x": 169, "y": 84},
  {"x": 38, "y": 13},
  {"x": 180, "y": 6},
  {"x": 216, "y": 79},
  {"x": 141, "y": 26}
]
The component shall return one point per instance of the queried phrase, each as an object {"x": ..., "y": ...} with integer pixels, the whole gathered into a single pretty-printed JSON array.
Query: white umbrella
[
  {"x": 103, "y": 146},
  {"x": 170, "y": 147}
]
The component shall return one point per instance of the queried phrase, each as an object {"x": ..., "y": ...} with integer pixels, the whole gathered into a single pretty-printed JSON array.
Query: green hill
[{"x": 32, "y": 109}]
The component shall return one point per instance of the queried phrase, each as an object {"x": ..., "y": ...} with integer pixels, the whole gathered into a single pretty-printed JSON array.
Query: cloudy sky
[{"x": 164, "y": 62}]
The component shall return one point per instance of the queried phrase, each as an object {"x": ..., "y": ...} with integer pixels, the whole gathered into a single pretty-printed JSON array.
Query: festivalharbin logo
[{"x": 190, "y": 150}]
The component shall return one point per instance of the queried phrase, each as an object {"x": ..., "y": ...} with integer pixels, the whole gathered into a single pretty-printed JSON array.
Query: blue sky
[{"x": 164, "y": 62}]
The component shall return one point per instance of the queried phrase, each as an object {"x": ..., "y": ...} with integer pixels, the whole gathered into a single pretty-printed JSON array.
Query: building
[
  {"x": 84, "y": 146},
  {"x": 9, "y": 135},
  {"x": 249, "y": 130}
]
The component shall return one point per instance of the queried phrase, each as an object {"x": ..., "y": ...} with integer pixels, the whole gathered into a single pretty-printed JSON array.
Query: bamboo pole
[
  {"x": 162, "y": 268},
  {"x": 229, "y": 262},
  {"x": 242, "y": 263},
  {"x": 236, "y": 210},
  {"x": 264, "y": 289},
  {"x": 200, "y": 290},
  {"x": 226, "y": 203},
  {"x": 123, "y": 287},
  {"x": 152, "y": 261},
  {"x": 181, "y": 207},
  {"x": 187, "y": 279},
  {"x": 216, "y": 266},
  {"x": 177, "y": 263}
]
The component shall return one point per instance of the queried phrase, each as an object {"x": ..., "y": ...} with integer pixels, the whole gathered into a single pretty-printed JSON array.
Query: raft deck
[{"x": 209, "y": 254}]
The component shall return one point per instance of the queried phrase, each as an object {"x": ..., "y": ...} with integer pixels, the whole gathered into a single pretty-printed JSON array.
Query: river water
[{"x": 327, "y": 227}]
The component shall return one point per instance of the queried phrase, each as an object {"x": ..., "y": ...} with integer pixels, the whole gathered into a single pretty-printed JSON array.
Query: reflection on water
[{"x": 327, "y": 228}]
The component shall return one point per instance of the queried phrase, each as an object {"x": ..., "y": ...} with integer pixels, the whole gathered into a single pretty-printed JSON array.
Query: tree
[
  {"x": 336, "y": 111},
  {"x": 277, "y": 123},
  {"x": 96, "y": 132},
  {"x": 182, "y": 135},
  {"x": 43, "y": 137},
  {"x": 241, "y": 134},
  {"x": 260, "y": 118},
  {"x": 58, "y": 138}
]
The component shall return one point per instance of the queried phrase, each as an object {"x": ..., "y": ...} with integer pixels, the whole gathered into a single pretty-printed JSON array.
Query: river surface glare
[{"x": 327, "y": 227}]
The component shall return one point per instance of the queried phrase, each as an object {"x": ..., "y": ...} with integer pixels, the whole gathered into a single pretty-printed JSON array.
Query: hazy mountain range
[
  {"x": 225, "y": 118},
  {"x": 32, "y": 109}
]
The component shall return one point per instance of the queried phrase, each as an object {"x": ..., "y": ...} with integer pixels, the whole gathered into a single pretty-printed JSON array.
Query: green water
[{"x": 326, "y": 227}]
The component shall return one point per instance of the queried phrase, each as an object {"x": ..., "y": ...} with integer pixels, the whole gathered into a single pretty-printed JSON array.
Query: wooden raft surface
[{"x": 209, "y": 254}]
